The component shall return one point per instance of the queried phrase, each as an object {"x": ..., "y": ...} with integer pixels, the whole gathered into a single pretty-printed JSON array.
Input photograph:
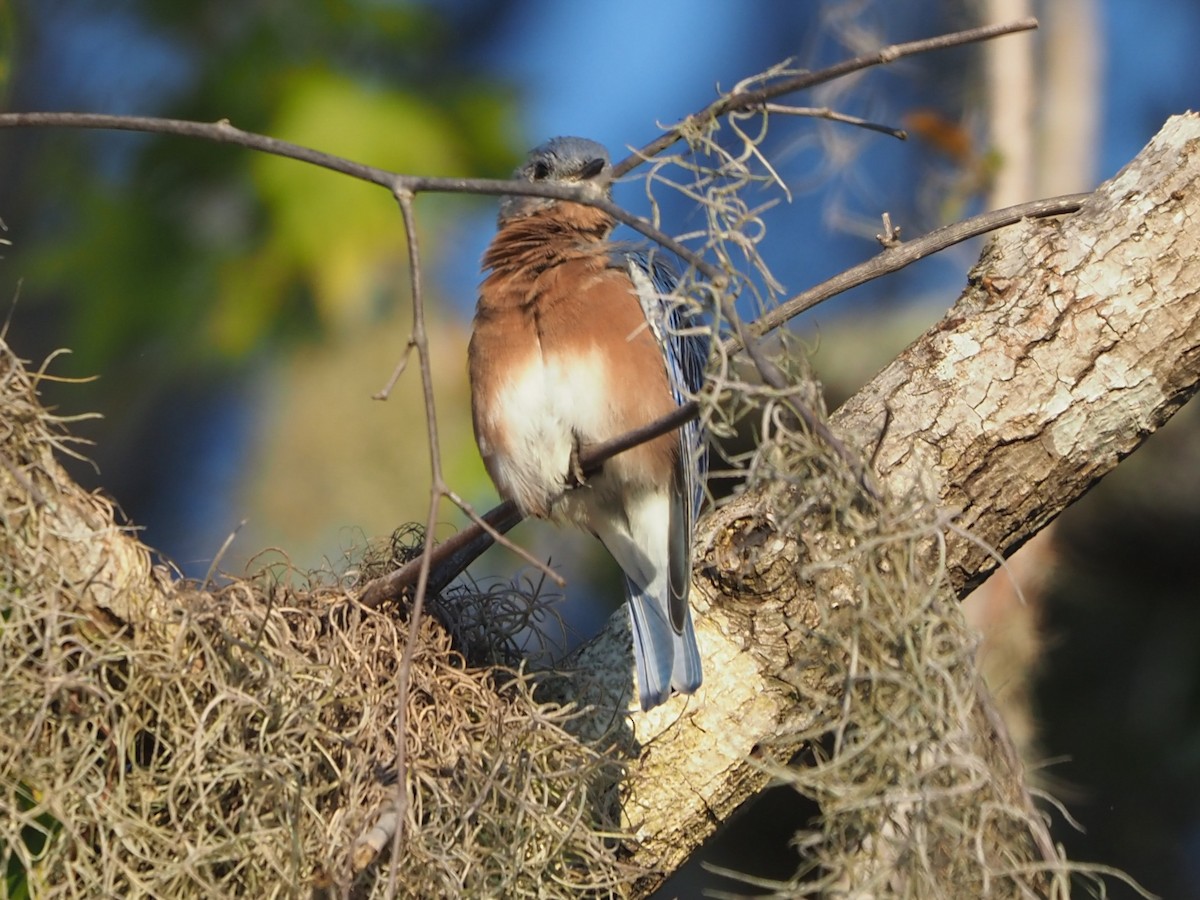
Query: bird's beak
[{"x": 591, "y": 169}]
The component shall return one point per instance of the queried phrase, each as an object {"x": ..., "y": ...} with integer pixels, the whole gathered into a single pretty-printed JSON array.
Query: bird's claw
[{"x": 575, "y": 476}]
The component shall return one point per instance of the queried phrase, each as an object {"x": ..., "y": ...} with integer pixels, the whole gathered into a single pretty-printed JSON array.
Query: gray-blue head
[{"x": 561, "y": 160}]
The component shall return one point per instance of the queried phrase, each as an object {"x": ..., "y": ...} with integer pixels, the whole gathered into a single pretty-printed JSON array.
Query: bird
[{"x": 576, "y": 339}]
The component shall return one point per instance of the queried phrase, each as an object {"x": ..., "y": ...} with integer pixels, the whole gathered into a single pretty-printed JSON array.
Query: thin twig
[
  {"x": 225, "y": 133},
  {"x": 421, "y": 342},
  {"x": 594, "y": 455},
  {"x": 229, "y": 539},
  {"x": 824, "y": 112},
  {"x": 386, "y": 390},
  {"x": 750, "y": 99},
  {"x": 454, "y": 554},
  {"x": 904, "y": 253}
]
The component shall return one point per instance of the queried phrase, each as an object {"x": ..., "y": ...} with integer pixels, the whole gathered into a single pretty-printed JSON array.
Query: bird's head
[{"x": 561, "y": 160}]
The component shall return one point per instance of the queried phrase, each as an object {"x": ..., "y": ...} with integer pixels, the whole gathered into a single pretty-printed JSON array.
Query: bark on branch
[{"x": 1073, "y": 341}]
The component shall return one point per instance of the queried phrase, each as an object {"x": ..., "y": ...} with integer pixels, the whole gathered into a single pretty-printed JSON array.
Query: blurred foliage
[
  {"x": 215, "y": 251},
  {"x": 199, "y": 279},
  {"x": 6, "y": 42},
  {"x": 329, "y": 234}
]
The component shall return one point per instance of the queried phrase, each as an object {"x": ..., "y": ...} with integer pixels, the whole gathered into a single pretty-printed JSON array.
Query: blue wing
[
  {"x": 664, "y": 639},
  {"x": 685, "y": 343}
]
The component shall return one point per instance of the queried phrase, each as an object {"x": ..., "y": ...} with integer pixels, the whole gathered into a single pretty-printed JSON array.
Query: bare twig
[
  {"x": 386, "y": 390},
  {"x": 904, "y": 253},
  {"x": 756, "y": 98},
  {"x": 593, "y": 456},
  {"x": 225, "y": 133},
  {"x": 419, "y": 341},
  {"x": 824, "y": 112},
  {"x": 226, "y": 544},
  {"x": 453, "y": 555},
  {"x": 890, "y": 236}
]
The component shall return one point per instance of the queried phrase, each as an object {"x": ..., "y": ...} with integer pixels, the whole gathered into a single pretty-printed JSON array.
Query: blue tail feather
[{"x": 665, "y": 658}]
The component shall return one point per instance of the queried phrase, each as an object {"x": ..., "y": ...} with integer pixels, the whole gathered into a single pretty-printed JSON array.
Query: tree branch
[
  {"x": 456, "y": 553},
  {"x": 420, "y": 342},
  {"x": 451, "y": 557},
  {"x": 223, "y": 132},
  {"x": 756, "y": 98},
  {"x": 1073, "y": 341},
  {"x": 899, "y": 255}
]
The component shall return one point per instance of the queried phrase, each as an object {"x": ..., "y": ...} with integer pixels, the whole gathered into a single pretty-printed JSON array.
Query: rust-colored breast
[{"x": 560, "y": 352}]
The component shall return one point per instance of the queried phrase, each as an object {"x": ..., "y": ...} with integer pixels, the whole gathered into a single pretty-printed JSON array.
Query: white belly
[{"x": 543, "y": 409}]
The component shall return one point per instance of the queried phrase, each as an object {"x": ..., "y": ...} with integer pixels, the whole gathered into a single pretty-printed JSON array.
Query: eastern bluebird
[{"x": 576, "y": 341}]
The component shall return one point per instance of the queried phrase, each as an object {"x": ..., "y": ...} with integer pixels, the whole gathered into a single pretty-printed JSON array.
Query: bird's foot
[{"x": 575, "y": 476}]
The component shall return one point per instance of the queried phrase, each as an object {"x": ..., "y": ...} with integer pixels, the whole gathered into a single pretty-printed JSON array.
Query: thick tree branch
[{"x": 1073, "y": 341}]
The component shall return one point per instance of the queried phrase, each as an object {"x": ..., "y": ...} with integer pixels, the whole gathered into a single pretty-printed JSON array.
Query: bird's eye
[{"x": 541, "y": 171}]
